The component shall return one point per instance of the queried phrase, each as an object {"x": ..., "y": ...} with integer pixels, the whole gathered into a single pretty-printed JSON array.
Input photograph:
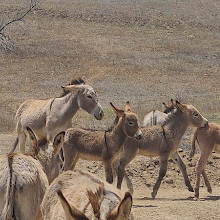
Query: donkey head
[
  {"x": 195, "y": 119},
  {"x": 120, "y": 212},
  {"x": 130, "y": 121},
  {"x": 87, "y": 99},
  {"x": 46, "y": 152}
]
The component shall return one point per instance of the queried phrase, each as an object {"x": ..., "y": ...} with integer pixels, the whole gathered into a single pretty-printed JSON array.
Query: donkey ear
[
  {"x": 75, "y": 87},
  {"x": 119, "y": 112},
  {"x": 58, "y": 142},
  {"x": 31, "y": 134},
  {"x": 179, "y": 106},
  {"x": 71, "y": 212},
  {"x": 123, "y": 210},
  {"x": 127, "y": 107},
  {"x": 165, "y": 105}
]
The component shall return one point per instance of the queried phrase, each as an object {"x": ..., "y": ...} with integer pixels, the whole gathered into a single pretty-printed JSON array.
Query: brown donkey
[
  {"x": 208, "y": 139},
  {"x": 162, "y": 141},
  {"x": 100, "y": 145},
  {"x": 89, "y": 196},
  {"x": 23, "y": 180}
]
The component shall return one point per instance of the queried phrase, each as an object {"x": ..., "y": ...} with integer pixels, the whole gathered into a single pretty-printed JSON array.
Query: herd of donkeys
[{"x": 39, "y": 181}]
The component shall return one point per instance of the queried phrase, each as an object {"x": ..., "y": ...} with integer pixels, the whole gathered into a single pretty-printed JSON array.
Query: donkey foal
[
  {"x": 162, "y": 141},
  {"x": 100, "y": 145},
  {"x": 208, "y": 139}
]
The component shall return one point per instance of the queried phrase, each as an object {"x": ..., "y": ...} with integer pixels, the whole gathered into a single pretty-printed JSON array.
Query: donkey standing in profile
[
  {"x": 156, "y": 117},
  {"x": 23, "y": 180},
  {"x": 101, "y": 145},
  {"x": 89, "y": 196},
  {"x": 163, "y": 141},
  {"x": 208, "y": 139},
  {"x": 51, "y": 116}
]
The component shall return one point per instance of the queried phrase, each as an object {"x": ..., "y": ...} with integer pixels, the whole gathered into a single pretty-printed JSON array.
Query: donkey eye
[
  {"x": 130, "y": 123},
  {"x": 89, "y": 96},
  {"x": 196, "y": 114}
]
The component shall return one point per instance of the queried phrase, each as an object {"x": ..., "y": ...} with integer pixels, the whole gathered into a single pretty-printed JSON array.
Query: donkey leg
[
  {"x": 127, "y": 156},
  {"x": 108, "y": 171},
  {"x": 207, "y": 183},
  {"x": 162, "y": 173},
  {"x": 200, "y": 167},
  {"x": 176, "y": 158}
]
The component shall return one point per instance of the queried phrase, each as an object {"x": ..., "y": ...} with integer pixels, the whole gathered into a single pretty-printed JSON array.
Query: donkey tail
[
  {"x": 8, "y": 210},
  {"x": 14, "y": 146},
  {"x": 193, "y": 143}
]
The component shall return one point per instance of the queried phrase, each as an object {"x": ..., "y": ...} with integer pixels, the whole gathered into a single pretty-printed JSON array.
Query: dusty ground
[{"x": 143, "y": 51}]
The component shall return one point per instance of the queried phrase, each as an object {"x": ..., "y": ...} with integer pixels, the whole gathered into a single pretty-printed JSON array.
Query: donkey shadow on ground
[{"x": 190, "y": 198}]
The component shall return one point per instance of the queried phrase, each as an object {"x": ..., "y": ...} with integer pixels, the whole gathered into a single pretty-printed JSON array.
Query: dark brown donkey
[
  {"x": 163, "y": 141},
  {"x": 101, "y": 145}
]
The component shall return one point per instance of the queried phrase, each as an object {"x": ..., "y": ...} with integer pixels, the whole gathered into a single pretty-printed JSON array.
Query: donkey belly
[{"x": 91, "y": 157}]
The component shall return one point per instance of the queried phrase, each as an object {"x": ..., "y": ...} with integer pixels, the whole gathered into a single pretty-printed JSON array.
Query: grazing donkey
[
  {"x": 23, "y": 181},
  {"x": 51, "y": 116},
  {"x": 208, "y": 139},
  {"x": 90, "y": 198},
  {"x": 163, "y": 141},
  {"x": 156, "y": 117},
  {"x": 101, "y": 145}
]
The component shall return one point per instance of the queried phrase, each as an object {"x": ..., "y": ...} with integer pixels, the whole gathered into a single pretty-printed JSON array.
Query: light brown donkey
[
  {"x": 100, "y": 145},
  {"x": 50, "y": 116},
  {"x": 208, "y": 139},
  {"x": 89, "y": 196},
  {"x": 23, "y": 181},
  {"x": 162, "y": 141}
]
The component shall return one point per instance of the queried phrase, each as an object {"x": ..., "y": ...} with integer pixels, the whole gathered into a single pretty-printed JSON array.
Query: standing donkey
[
  {"x": 156, "y": 117},
  {"x": 101, "y": 145},
  {"x": 208, "y": 138},
  {"x": 89, "y": 196},
  {"x": 163, "y": 141},
  {"x": 23, "y": 180},
  {"x": 51, "y": 116}
]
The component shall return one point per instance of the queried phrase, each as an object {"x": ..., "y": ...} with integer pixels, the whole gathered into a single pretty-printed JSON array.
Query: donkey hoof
[
  {"x": 190, "y": 189},
  {"x": 153, "y": 195},
  {"x": 210, "y": 191}
]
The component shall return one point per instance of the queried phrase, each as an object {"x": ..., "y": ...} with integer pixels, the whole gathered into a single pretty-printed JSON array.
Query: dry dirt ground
[{"x": 143, "y": 51}]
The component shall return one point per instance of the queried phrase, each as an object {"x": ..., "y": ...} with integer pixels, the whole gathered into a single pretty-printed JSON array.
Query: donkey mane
[
  {"x": 171, "y": 116},
  {"x": 75, "y": 81}
]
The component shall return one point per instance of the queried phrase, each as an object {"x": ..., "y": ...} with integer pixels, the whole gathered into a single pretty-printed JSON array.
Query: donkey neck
[
  {"x": 175, "y": 127},
  {"x": 117, "y": 136},
  {"x": 67, "y": 105}
]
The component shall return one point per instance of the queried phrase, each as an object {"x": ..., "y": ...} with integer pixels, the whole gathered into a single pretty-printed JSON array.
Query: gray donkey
[
  {"x": 163, "y": 141},
  {"x": 156, "y": 117},
  {"x": 101, "y": 145},
  {"x": 50, "y": 116}
]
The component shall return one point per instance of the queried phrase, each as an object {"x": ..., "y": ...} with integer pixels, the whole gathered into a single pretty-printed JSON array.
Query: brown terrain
[{"x": 146, "y": 52}]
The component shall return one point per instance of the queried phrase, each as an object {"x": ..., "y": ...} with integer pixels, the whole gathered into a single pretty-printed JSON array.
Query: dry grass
[{"x": 143, "y": 52}]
